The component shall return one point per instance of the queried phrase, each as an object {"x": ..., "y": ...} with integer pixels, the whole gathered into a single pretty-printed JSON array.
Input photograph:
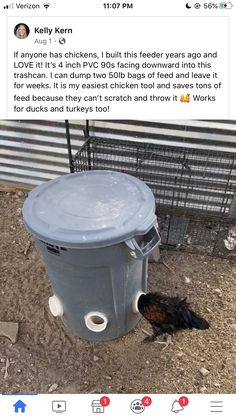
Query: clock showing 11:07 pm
[{"x": 118, "y": 5}]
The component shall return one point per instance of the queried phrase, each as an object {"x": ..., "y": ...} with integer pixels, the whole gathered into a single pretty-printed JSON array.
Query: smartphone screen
[{"x": 117, "y": 179}]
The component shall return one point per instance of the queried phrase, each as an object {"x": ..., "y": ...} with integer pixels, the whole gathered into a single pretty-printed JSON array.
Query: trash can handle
[{"x": 140, "y": 253}]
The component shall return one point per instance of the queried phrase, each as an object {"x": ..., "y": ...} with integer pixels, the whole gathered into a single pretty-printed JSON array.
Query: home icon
[
  {"x": 97, "y": 407},
  {"x": 19, "y": 406}
]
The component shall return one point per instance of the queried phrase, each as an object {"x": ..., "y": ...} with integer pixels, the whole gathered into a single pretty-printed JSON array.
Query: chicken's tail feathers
[{"x": 197, "y": 322}]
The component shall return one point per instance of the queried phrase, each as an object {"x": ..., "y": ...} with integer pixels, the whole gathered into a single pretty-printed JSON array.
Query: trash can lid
[{"x": 89, "y": 209}]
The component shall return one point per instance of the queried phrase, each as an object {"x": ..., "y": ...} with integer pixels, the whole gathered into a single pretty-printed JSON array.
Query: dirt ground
[{"x": 46, "y": 358}]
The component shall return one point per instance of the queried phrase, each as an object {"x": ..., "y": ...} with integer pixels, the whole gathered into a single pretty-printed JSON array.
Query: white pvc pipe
[
  {"x": 55, "y": 306},
  {"x": 96, "y": 321},
  {"x": 135, "y": 301}
]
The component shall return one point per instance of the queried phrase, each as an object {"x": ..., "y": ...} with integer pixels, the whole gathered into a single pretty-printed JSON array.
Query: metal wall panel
[{"x": 32, "y": 152}]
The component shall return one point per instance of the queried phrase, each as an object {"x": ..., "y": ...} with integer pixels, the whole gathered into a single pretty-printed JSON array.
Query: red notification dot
[
  {"x": 146, "y": 401},
  {"x": 105, "y": 401},
  {"x": 183, "y": 401}
]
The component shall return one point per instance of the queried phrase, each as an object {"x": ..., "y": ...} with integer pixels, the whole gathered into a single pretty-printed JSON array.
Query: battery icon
[{"x": 227, "y": 5}]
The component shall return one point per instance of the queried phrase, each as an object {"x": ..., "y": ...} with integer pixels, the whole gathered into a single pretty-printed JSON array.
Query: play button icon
[{"x": 59, "y": 406}]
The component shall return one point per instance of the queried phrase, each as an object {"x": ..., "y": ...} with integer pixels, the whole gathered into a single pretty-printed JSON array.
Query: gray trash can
[{"x": 94, "y": 230}]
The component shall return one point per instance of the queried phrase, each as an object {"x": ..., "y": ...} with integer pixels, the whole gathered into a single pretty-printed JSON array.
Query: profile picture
[{"x": 21, "y": 30}]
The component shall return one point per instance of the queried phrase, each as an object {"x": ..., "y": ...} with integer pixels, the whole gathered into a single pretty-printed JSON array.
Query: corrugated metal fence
[{"x": 32, "y": 152}]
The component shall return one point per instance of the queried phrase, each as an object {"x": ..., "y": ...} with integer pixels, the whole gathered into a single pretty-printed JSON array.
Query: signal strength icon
[
  {"x": 46, "y": 5},
  {"x": 8, "y": 6}
]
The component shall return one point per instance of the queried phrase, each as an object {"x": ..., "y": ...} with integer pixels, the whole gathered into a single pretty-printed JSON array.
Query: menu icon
[{"x": 216, "y": 406}]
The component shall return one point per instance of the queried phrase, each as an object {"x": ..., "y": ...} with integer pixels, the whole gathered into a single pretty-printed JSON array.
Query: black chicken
[{"x": 168, "y": 314}]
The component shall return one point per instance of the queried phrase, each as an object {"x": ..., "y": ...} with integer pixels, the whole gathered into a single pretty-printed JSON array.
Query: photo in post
[{"x": 189, "y": 168}]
